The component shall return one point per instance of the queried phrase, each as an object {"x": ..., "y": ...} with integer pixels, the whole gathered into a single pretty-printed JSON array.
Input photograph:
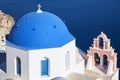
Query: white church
[{"x": 40, "y": 47}]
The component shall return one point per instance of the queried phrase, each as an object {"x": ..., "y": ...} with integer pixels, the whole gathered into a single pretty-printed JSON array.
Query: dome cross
[{"x": 39, "y": 9}]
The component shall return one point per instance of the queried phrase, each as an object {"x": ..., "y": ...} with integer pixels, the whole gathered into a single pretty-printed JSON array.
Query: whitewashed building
[{"x": 40, "y": 47}]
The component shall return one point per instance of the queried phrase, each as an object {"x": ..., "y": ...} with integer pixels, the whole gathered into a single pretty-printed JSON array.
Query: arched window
[
  {"x": 105, "y": 62},
  {"x": 44, "y": 67},
  {"x": 18, "y": 66},
  {"x": 101, "y": 43},
  {"x": 97, "y": 59},
  {"x": 67, "y": 60}
]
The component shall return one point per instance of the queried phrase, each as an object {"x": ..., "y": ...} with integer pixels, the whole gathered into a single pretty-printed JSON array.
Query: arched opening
[
  {"x": 101, "y": 42},
  {"x": 97, "y": 59},
  {"x": 44, "y": 67},
  {"x": 67, "y": 60},
  {"x": 105, "y": 62},
  {"x": 18, "y": 66}
]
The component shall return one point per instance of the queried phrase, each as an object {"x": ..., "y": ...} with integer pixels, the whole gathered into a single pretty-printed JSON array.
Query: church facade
[{"x": 40, "y": 47}]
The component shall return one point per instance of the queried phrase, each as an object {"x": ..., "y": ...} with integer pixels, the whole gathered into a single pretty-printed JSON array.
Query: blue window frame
[{"x": 44, "y": 67}]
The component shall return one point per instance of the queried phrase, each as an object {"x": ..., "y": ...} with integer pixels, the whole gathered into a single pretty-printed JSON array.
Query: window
[
  {"x": 18, "y": 66},
  {"x": 67, "y": 61},
  {"x": 2, "y": 39},
  {"x": 44, "y": 67}
]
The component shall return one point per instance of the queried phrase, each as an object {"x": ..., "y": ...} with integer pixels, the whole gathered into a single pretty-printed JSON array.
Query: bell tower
[{"x": 102, "y": 55}]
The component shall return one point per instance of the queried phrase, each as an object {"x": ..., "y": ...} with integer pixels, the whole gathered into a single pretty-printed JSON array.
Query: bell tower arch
[{"x": 102, "y": 55}]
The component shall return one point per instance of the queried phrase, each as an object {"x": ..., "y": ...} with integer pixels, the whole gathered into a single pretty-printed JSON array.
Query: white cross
[
  {"x": 39, "y": 10},
  {"x": 39, "y": 6}
]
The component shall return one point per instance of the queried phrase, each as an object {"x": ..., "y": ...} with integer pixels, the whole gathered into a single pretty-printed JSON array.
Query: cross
[
  {"x": 39, "y": 10},
  {"x": 39, "y": 6}
]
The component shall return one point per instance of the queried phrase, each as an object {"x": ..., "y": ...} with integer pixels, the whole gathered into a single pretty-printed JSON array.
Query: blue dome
[{"x": 40, "y": 30}]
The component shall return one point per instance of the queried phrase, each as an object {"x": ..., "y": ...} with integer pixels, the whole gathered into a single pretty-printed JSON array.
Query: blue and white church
[{"x": 40, "y": 47}]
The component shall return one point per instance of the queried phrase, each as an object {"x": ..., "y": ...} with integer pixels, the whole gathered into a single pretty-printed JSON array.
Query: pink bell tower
[{"x": 101, "y": 55}]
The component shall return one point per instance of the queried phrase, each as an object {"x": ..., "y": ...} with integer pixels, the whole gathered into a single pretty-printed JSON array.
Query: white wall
[
  {"x": 80, "y": 67},
  {"x": 3, "y": 75},
  {"x": 30, "y": 61},
  {"x": 116, "y": 75},
  {"x": 57, "y": 61},
  {"x": 12, "y": 53}
]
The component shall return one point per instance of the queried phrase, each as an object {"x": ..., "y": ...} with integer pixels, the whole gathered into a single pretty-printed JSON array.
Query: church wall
[
  {"x": 12, "y": 53},
  {"x": 56, "y": 57},
  {"x": 80, "y": 67},
  {"x": 3, "y": 75}
]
